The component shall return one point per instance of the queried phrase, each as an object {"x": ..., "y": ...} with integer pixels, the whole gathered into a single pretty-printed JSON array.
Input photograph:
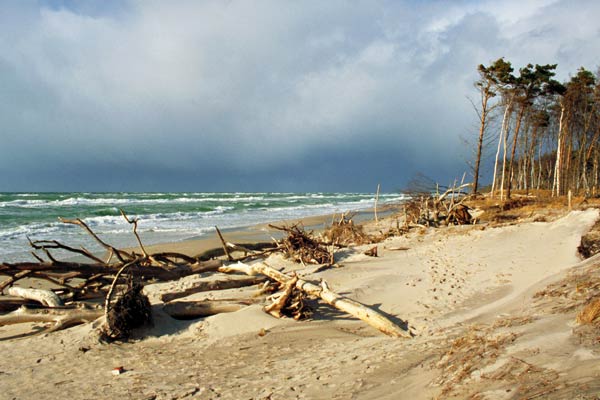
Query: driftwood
[
  {"x": 425, "y": 209},
  {"x": 372, "y": 252},
  {"x": 279, "y": 303},
  {"x": 95, "y": 276},
  {"x": 119, "y": 277},
  {"x": 345, "y": 232},
  {"x": 45, "y": 297},
  {"x": 204, "y": 308},
  {"x": 8, "y": 304},
  {"x": 225, "y": 249},
  {"x": 221, "y": 284},
  {"x": 289, "y": 302},
  {"x": 131, "y": 310},
  {"x": 354, "y": 308},
  {"x": 301, "y": 247},
  {"x": 250, "y": 250},
  {"x": 61, "y": 317}
]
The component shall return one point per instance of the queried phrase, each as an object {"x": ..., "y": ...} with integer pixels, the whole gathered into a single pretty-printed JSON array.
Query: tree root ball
[{"x": 132, "y": 310}]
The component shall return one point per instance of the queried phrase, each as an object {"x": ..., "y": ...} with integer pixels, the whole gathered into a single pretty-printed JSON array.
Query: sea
[{"x": 163, "y": 217}]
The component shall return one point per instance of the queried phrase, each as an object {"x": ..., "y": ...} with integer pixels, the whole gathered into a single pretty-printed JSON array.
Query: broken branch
[
  {"x": 46, "y": 297},
  {"x": 354, "y": 308}
]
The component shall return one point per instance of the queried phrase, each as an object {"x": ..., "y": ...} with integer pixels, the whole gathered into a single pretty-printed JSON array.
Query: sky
[{"x": 270, "y": 95}]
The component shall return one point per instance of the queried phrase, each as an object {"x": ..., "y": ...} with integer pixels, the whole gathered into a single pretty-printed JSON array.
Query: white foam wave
[{"x": 82, "y": 201}]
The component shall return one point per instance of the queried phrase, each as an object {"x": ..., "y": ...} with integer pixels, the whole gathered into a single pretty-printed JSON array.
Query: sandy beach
[{"x": 493, "y": 310}]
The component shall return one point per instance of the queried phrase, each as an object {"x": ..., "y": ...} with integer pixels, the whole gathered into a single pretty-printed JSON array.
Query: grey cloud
[{"x": 238, "y": 93}]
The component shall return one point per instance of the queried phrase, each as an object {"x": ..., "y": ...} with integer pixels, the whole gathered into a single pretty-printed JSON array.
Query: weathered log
[
  {"x": 170, "y": 256},
  {"x": 61, "y": 317},
  {"x": 85, "y": 270},
  {"x": 204, "y": 308},
  {"x": 46, "y": 297},
  {"x": 12, "y": 279},
  {"x": 275, "y": 308},
  {"x": 262, "y": 247},
  {"x": 205, "y": 286},
  {"x": 354, "y": 308},
  {"x": 8, "y": 304}
]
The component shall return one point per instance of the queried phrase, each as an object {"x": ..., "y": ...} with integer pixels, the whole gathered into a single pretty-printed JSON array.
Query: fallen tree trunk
[
  {"x": 61, "y": 317},
  {"x": 279, "y": 304},
  {"x": 46, "y": 297},
  {"x": 204, "y": 308},
  {"x": 12, "y": 304},
  {"x": 87, "y": 270},
  {"x": 260, "y": 248},
  {"x": 205, "y": 286},
  {"x": 354, "y": 308}
]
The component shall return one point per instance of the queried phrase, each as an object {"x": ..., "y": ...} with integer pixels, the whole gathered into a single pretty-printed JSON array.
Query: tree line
[{"x": 546, "y": 131}]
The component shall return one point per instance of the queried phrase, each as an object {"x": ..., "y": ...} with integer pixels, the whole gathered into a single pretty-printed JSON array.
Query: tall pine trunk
[
  {"x": 501, "y": 139},
  {"x": 556, "y": 185},
  {"x": 514, "y": 149}
]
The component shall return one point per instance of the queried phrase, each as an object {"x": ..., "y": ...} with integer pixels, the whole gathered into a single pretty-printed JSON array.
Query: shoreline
[{"x": 262, "y": 233}]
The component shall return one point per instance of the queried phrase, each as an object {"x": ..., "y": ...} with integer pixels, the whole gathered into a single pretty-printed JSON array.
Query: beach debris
[
  {"x": 372, "y": 252},
  {"x": 93, "y": 278},
  {"x": 590, "y": 242},
  {"x": 344, "y": 232},
  {"x": 61, "y": 318},
  {"x": 204, "y": 308},
  {"x": 427, "y": 207},
  {"x": 120, "y": 275},
  {"x": 130, "y": 310},
  {"x": 250, "y": 251},
  {"x": 225, "y": 247},
  {"x": 216, "y": 284},
  {"x": 46, "y": 297},
  {"x": 322, "y": 291},
  {"x": 290, "y": 302},
  {"x": 459, "y": 215},
  {"x": 300, "y": 246},
  {"x": 118, "y": 370},
  {"x": 95, "y": 275}
]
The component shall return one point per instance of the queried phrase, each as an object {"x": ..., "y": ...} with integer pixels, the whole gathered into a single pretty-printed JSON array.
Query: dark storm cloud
[{"x": 272, "y": 95}]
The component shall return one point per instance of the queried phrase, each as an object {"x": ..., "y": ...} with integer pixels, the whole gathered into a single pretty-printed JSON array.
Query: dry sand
[{"x": 468, "y": 292}]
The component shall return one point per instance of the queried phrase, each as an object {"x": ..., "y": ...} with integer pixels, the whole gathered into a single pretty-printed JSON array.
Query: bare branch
[
  {"x": 134, "y": 222},
  {"x": 121, "y": 255}
]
